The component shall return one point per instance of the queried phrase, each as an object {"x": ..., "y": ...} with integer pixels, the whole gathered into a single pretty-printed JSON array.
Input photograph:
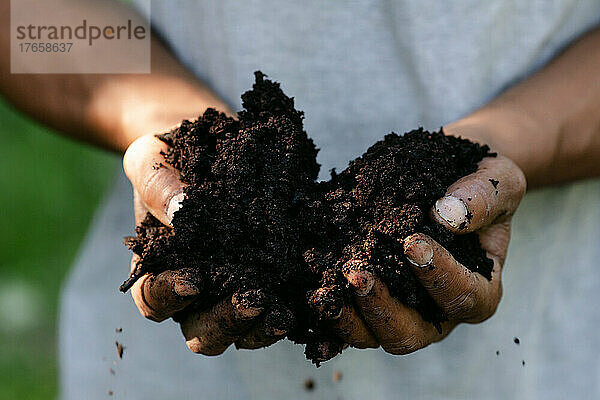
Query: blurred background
[{"x": 51, "y": 187}]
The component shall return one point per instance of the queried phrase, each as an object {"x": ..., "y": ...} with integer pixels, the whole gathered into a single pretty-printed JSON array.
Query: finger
[
  {"x": 156, "y": 182},
  {"x": 464, "y": 295},
  {"x": 212, "y": 332},
  {"x": 481, "y": 198},
  {"x": 271, "y": 328},
  {"x": 326, "y": 302},
  {"x": 139, "y": 208},
  {"x": 351, "y": 329},
  {"x": 160, "y": 296},
  {"x": 398, "y": 328},
  {"x": 494, "y": 240}
]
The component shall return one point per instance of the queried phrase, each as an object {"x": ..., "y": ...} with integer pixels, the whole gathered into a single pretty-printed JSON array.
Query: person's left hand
[{"x": 380, "y": 320}]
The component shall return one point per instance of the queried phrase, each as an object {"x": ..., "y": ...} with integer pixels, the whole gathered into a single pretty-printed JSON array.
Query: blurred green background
[{"x": 50, "y": 187}]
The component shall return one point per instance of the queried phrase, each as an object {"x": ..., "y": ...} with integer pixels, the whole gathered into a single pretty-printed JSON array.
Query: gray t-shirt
[{"x": 360, "y": 69}]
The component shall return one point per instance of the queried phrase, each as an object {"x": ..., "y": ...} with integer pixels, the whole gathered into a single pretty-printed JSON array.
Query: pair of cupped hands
[{"x": 472, "y": 204}]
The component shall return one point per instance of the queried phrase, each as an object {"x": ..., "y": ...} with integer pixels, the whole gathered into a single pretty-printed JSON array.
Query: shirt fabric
[{"x": 360, "y": 69}]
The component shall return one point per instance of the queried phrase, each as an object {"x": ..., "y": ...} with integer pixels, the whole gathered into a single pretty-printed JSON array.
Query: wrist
[{"x": 510, "y": 132}]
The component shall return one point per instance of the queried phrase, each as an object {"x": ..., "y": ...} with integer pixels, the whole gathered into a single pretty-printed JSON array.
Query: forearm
[
  {"x": 123, "y": 108},
  {"x": 109, "y": 110},
  {"x": 550, "y": 123}
]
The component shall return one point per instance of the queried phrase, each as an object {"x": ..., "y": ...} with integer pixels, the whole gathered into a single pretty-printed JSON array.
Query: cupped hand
[
  {"x": 482, "y": 202},
  {"x": 158, "y": 190}
]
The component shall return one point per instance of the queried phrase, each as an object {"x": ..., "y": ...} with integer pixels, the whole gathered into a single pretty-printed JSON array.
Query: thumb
[
  {"x": 156, "y": 182},
  {"x": 492, "y": 192}
]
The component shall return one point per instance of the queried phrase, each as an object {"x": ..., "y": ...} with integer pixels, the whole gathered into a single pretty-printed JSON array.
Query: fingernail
[
  {"x": 361, "y": 281},
  {"x": 452, "y": 210},
  {"x": 419, "y": 253},
  {"x": 174, "y": 205},
  {"x": 185, "y": 289}
]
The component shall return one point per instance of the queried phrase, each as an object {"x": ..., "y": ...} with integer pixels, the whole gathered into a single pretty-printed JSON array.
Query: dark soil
[
  {"x": 309, "y": 384},
  {"x": 120, "y": 349},
  {"x": 256, "y": 223},
  {"x": 337, "y": 376}
]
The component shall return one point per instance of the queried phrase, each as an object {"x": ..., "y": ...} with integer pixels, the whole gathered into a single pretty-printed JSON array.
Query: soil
[
  {"x": 120, "y": 349},
  {"x": 309, "y": 384},
  {"x": 337, "y": 376},
  {"x": 258, "y": 225}
]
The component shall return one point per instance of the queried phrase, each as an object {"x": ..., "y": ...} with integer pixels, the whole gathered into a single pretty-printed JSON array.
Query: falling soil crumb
[
  {"x": 517, "y": 341},
  {"x": 337, "y": 376},
  {"x": 494, "y": 183},
  {"x": 309, "y": 384},
  {"x": 497, "y": 352},
  {"x": 109, "y": 392},
  {"x": 523, "y": 362},
  {"x": 119, "y": 330},
  {"x": 120, "y": 349},
  {"x": 256, "y": 224},
  {"x": 112, "y": 371}
]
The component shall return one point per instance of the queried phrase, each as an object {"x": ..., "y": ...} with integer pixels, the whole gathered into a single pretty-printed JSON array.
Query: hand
[
  {"x": 158, "y": 190},
  {"x": 491, "y": 196}
]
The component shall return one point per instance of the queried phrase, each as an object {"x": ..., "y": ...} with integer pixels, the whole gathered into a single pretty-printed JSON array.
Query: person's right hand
[{"x": 158, "y": 190}]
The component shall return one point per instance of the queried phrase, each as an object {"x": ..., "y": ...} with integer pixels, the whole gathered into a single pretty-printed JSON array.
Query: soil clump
[{"x": 257, "y": 225}]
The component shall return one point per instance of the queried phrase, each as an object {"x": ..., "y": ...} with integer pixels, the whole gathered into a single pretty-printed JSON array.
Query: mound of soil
[{"x": 257, "y": 225}]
